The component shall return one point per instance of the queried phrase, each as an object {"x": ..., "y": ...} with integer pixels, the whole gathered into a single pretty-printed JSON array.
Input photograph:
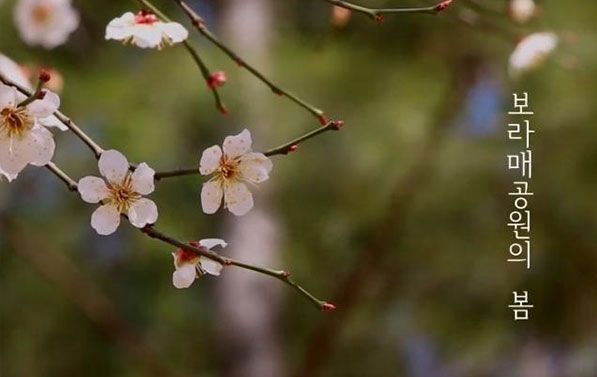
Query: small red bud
[
  {"x": 286, "y": 274},
  {"x": 44, "y": 75},
  {"x": 443, "y": 5},
  {"x": 216, "y": 79},
  {"x": 41, "y": 94},
  {"x": 277, "y": 92},
  {"x": 337, "y": 124},
  {"x": 323, "y": 119},
  {"x": 379, "y": 17},
  {"x": 327, "y": 307},
  {"x": 293, "y": 148}
]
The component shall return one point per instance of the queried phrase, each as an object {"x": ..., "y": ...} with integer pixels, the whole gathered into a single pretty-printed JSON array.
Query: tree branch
[
  {"x": 378, "y": 13},
  {"x": 152, "y": 232},
  {"x": 95, "y": 148},
  {"x": 205, "y": 72},
  {"x": 284, "y": 149},
  {"x": 199, "y": 24}
]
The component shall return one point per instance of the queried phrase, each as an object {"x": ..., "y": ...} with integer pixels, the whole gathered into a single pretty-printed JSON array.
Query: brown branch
[{"x": 199, "y": 24}]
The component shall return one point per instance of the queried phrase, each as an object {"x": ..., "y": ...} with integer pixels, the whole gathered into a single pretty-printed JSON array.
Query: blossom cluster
[{"x": 122, "y": 189}]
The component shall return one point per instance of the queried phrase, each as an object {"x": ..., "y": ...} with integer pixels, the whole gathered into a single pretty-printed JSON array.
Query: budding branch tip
[
  {"x": 337, "y": 125},
  {"x": 327, "y": 307},
  {"x": 443, "y": 5},
  {"x": 44, "y": 75}
]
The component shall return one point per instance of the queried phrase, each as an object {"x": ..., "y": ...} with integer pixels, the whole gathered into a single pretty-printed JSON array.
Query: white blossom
[
  {"x": 522, "y": 10},
  {"x": 45, "y": 22},
  {"x": 145, "y": 30},
  {"x": 231, "y": 169},
  {"x": 121, "y": 192},
  {"x": 16, "y": 73},
  {"x": 532, "y": 51},
  {"x": 189, "y": 265},
  {"x": 23, "y": 138}
]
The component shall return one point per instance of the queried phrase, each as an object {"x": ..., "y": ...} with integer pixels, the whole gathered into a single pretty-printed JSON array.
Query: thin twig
[
  {"x": 282, "y": 149},
  {"x": 152, "y": 232},
  {"x": 291, "y": 145},
  {"x": 199, "y": 24},
  {"x": 95, "y": 148},
  {"x": 205, "y": 72},
  {"x": 378, "y": 13}
]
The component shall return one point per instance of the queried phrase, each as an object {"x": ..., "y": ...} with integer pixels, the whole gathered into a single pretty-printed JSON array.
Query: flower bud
[
  {"x": 44, "y": 76},
  {"x": 216, "y": 79},
  {"x": 443, "y": 5}
]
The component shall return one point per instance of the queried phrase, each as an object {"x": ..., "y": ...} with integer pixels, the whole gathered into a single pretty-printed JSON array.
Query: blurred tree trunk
[{"x": 249, "y": 304}]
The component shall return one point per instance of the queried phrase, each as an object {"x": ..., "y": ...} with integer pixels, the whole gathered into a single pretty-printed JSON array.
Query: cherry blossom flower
[
  {"x": 23, "y": 138},
  {"x": 45, "y": 22},
  {"x": 532, "y": 51},
  {"x": 189, "y": 266},
  {"x": 18, "y": 74},
  {"x": 230, "y": 170},
  {"x": 145, "y": 30},
  {"x": 522, "y": 10},
  {"x": 120, "y": 193}
]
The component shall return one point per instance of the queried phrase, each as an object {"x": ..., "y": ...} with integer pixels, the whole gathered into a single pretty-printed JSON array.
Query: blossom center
[
  {"x": 123, "y": 196},
  {"x": 145, "y": 18},
  {"x": 15, "y": 121},
  {"x": 41, "y": 13},
  {"x": 228, "y": 169}
]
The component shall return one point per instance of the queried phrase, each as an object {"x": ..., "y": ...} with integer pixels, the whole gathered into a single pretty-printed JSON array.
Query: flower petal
[
  {"x": 255, "y": 167},
  {"x": 211, "y": 196},
  {"x": 237, "y": 145},
  {"x": 114, "y": 166},
  {"x": 13, "y": 158},
  {"x": 93, "y": 189},
  {"x": 52, "y": 121},
  {"x": 210, "y": 160},
  {"x": 14, "y": 72},
  {"x": 143, "y": 212},
  {"x": 184, "y": 276},
  {"x": 105, "y": 220},
  {"x": 8, "y": 96},
  {"x": 121, "y": 27},
  {"x": 45, "y": 107},
  {"x": 41, "y": 146},
  {"x": 209, "y": 243},
  {"x": 36, "y": 147},
  {"x": 238, "y": 198},
  {"x": 142, "y": 179},
  {"x": 147, "y": 36},
  {"x": 174, "y": 31},
  {"x": 9, "y": 177},
  {"x": 210, "y": 266}
]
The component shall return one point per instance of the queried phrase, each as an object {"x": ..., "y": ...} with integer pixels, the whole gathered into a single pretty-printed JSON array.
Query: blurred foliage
[{"x": 443, "y": 275}]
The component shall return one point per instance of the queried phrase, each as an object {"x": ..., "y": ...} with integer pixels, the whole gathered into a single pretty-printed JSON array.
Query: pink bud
[
  {"x": 327, "y": 307},
  {"x": 216, "y": 79},
  {"x": 379, "y": 17},
  {"x": 323, "y": 119},
  {"x": 44, "y": 75},
  {"x": 337, "y": 124},
  {"x": 443, "y": 5},
  {"x": 293, "y": 148}
]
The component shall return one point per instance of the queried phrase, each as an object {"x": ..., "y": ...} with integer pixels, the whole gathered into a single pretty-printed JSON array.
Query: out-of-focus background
[{"x": 400, "y": 219}]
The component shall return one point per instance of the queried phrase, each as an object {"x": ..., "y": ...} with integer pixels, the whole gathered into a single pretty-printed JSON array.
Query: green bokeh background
[{"x": 432, "y": 295}]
